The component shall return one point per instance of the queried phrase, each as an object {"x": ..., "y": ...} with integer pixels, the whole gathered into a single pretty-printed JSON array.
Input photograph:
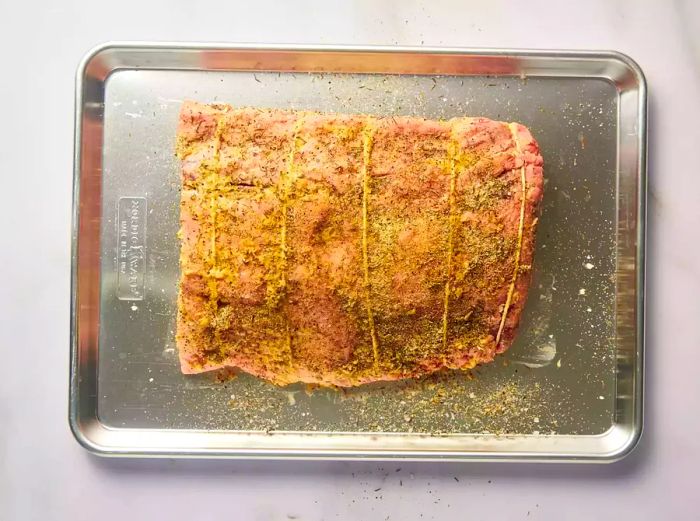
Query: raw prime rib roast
[{"x": 344, "y": 249}]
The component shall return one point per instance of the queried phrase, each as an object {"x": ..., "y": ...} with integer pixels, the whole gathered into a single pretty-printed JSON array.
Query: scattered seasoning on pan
[{"x": 455, "y": 403}]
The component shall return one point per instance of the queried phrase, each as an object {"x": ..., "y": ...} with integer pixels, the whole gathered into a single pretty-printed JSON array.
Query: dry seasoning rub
[{"x": 344, "y": 249}]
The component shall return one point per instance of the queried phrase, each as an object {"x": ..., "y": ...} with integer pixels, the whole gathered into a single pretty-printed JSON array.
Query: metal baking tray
[{"x": 570, "y": 388}]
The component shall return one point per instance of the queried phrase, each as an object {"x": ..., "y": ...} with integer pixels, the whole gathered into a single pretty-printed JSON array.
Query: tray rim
[{"x": 96, "y": 437}]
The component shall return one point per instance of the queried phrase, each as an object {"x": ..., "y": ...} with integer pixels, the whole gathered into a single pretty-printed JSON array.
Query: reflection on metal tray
[{"x": 570, "y": 388}]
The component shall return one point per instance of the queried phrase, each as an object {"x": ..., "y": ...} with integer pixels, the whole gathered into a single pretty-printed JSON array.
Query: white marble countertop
[{"x": 44, "y": 474}]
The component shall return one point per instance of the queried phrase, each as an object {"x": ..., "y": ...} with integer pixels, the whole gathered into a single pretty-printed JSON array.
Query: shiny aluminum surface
[{"x": 570, "y": 388}]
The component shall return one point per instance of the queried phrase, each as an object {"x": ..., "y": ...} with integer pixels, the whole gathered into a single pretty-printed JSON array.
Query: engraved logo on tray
[{"x": 131, "y": 258}]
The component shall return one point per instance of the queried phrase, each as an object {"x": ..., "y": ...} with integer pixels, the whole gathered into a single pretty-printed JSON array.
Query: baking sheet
[{"x": 560, "y": 379}]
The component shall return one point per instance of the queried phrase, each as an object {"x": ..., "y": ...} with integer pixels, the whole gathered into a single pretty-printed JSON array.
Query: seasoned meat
[{"x": 345, "y": 249}]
